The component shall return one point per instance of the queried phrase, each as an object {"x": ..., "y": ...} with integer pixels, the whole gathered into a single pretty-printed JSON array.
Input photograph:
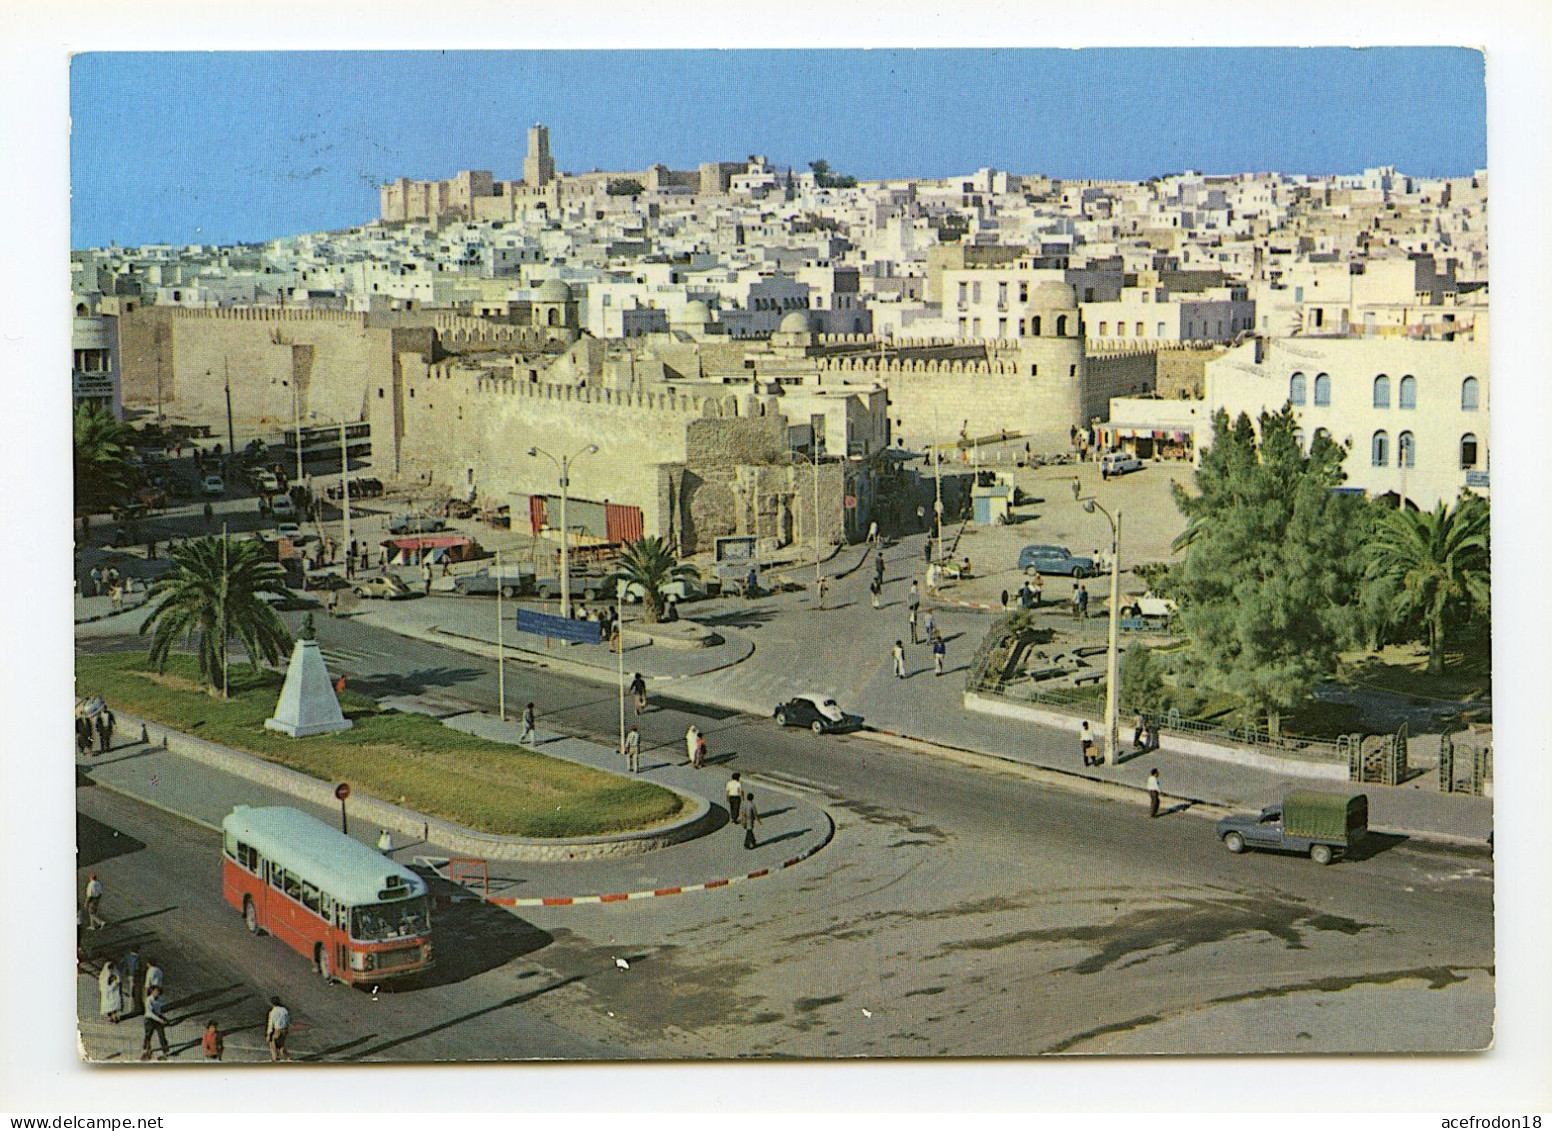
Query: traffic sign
[{"x": 342, "y": 790}]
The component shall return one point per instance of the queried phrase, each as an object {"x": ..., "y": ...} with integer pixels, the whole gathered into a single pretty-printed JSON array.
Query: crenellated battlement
[
  {"x": 269, "y": 314},
  {"x": 927, "y": 366},
  {"x": 670, "y": 402}
]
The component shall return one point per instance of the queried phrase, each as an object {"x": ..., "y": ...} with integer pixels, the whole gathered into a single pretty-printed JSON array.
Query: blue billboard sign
[{"x": 559, "y": 628}]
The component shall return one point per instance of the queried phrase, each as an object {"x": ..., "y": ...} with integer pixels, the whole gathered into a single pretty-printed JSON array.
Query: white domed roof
[
  {"x": 1058, "y": 295},
  {"x": 795, "y": 323},
  {"x": 554, "y": 290}
]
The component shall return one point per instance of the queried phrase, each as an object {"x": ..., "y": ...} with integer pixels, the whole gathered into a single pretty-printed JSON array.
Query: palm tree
[
  {"x": 103, "y": 446},
  {"x": 650, "y": 564},
  {"x": 1438, "y": 563},
  {"x": 213, "y": 590}
]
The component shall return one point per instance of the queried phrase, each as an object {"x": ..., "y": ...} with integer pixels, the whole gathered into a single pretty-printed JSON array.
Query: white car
[
  {"x": 1146, "y": 605},
  {"x": 267, "y": 482},
  {"x": 1119, "y": 463},
  {"x": 214, "y": 486},
  {"x": 282, "y": 506}
]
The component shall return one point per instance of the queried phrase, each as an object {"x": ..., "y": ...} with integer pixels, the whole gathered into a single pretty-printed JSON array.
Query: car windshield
[{"x": 381, "y": 921}]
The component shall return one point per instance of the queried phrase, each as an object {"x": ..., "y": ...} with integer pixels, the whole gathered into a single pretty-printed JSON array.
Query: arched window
[
  {"x": 1382, "y": 391},
  {"x": 1061, "y": 326},
  {"x": 1470, "y": 390},
  {"x": 80, "y": 310},
  {"x": 1296, "y": 387},
  {"x": 1468, "y": 450},
  {"x": 1406, "y": 450},
  {"x": 1322, "y": 389},
  {"x": 1034, "y": 326},
  {"x": 1407, "y": 394},
  {"x": 1379, "y": 450}
]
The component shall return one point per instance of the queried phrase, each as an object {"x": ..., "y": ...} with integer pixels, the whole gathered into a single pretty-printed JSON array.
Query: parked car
[
  {"x": 1119, "y": 463},
  {"x": 282, "y": 506},
  {"x": 584, "y": 587},
  {"x": 386, "y": 586},
  {"x": 289, "y": 530},
  {"x": 510, "y": 583},
  {"x": 817, "y": 711},
  {"x": 1054, "y": 560},
  {"x": 213, "y": 486},
  {"x": 1309, "y": 821},
  {"x": 634, "y": 594},
  {"x": 1146, "y": 605},
  {"x": 416, "y": 524}
]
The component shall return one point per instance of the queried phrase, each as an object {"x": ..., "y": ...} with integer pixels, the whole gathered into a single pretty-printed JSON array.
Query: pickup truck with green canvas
[{"x": 1307, "y": 822}]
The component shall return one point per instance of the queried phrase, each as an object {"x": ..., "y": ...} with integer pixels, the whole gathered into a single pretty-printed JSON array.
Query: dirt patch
[
  {"x": 1133, "y": 937},
  {"x": 171, "y": 682}
]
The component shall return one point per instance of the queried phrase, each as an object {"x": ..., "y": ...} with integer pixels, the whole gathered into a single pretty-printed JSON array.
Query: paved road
[{"x": 956, "y": 912}]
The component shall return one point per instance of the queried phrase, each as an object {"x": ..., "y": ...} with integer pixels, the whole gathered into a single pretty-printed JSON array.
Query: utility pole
[
  {"x": 345, "y": 495},
  {"x": 231, "y": 434},
  {"x": 225, "y": 574},
  {"x": 1112, "y": 654},
  {"x": 563, "y": 465},
  {"x": 501, "y": 643},
  {"x": 296, "y": 412},
  {"x": 619, "y": 627}
]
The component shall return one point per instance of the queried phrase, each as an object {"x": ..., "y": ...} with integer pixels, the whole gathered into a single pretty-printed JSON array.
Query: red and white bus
[{"x": 356, "y": 914}]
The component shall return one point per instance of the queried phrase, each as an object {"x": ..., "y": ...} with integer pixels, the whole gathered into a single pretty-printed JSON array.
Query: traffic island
[{"x": 411, "y": 763}]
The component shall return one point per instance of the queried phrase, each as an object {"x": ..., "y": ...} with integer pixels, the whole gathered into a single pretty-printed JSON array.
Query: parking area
[{"x": 1150, "y": 522}]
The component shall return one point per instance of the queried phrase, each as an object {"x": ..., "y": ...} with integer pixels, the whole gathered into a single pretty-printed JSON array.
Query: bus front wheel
[{"x": 251, "y": 917}]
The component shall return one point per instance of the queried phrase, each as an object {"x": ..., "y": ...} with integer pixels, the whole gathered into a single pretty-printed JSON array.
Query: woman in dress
[{"x": 110, "y": 992}]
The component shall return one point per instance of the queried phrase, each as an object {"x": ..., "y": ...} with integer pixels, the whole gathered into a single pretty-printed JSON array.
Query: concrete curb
[
  {"x": 412, "y": 824},
  {"x": 1116, "y": 791},
  {"x": 1170, "y": 744},
  {"x": 478, "y": 647},
  {"x": 113, "y": 613},
  {"x": 678, "y": 889}
]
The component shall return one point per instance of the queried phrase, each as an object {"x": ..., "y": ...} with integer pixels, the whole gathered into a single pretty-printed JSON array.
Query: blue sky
[{"x": 220, "y": 147}]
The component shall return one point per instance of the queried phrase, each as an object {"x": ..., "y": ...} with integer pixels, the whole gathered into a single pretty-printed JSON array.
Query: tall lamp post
[
  {"x": 344, "y": 490},
  {"x": 563, "y": 465},
  {"x": 1112, "y": 657}
]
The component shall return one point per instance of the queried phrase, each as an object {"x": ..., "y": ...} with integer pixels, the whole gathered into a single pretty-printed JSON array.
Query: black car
[{"x": 819, "y": 713}]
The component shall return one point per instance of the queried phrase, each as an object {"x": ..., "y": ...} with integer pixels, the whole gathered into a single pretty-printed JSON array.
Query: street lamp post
[
  {"x": 501, "y": 644},
  {"x": 563, "y": 465},
  {"x": 813, "y": 460},
  {"x": 1112, "y": 657}
]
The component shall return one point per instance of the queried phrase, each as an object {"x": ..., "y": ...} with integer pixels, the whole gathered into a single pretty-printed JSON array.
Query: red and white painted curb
[{"x": 653, "y": 893}]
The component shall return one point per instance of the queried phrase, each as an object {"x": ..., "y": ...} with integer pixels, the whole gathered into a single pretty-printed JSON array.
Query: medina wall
[
  {"x": 1126, "y": 374},
  {"x": 330, "y": 359}
]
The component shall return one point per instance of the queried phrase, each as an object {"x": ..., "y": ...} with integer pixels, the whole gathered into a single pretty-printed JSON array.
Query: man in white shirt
[
  {"x": 1153, "y": 793},
  {"x": 276, "y": 1028},
  {"x": 633, "y": 750}
]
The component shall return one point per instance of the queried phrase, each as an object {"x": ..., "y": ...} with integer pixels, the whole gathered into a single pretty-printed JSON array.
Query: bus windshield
[{"x": 381, "y": 921}]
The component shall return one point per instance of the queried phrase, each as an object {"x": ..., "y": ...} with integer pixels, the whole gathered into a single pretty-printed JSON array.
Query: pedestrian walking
[
  {"x": 131, "y": 968},
  {"x": 749, "y": 818},
  {"x": 155, "y": 1025},
  {"x": 1038, "y": 592},
  {"x": 691, "y": 737},
  {"x": 699, "y": 758},
  {"x": 116, "y": 596},
  {"x": 1150, "y": 734},
  {"x": 212, "y": 1042},
  {"x": 914, "y": 597},
  {"x": 878, "y": 568},
  {"x": 96, "y": 576},
  {"x": 899, "y": 658},
  {"x": 277, "y": 1027},
  {"x": 930, "y": 626},
  {"x": 939, "y": 654},
  {"x": 83, "y": 737},
  {"x": 210, "y": 514},
  {"x": 382, "y": 557},
  {"x": 94, "y": 893},
  {"x": 638, "y": 690},
  {"x": 735, "y": 795},
  {"x": 152, "y": 979},
  {"x": 875, "y": 589},
  {"x": 109, "y": 722},
  {"x": 912, "y": 621},
  {"x": 1083, "y": 601},
  {"x": 820, "y": 586},
  {"x": 921, "y": 518},
  {"x": 1004, "y": 600},
  {"x": 385, "y": 842},
  {"x": 927, "y": 554},
  {"x": 110, "y": 992},
  {"x": 632, "y": 750},
  {"x": 529, "y": 718},
  {"x": 1139, "y": 732},
  {"x": 873, "y": 531},
  {"x": 425, "y": 576},
  {"x": 1075, "y": 605},
  {"x": 1153, "y": 793},
  {"x": 1086, "y": 743}
]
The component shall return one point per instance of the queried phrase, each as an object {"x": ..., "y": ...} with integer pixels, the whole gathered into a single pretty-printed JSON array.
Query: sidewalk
[{"x": 791, "y": 830}]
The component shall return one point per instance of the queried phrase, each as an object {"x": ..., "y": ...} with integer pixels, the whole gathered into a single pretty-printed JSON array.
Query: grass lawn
[
  {"x": 412, "y": 760},
  {"x": 1402, "y": 669}
]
